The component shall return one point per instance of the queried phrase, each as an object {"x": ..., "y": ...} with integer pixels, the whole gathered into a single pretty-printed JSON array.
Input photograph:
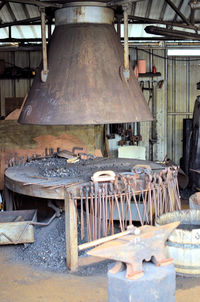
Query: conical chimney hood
[{"x": 84, "y": 84}]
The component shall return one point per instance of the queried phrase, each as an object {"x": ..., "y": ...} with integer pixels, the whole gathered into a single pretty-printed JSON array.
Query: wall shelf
[{"x": 149, "y": 74}]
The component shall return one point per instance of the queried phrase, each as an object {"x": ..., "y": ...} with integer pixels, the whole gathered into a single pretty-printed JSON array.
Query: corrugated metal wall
[
  {"x": 182, "y": 93},
  {"x": 176, "y": 96},
  {"x": 18, "y": 87},
  {"x": 170, "y": 103},
  {"x": 153, "y": 134}
]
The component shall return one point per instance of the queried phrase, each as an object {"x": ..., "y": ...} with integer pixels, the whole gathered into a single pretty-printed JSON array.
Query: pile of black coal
[{"x": 48, "y": 251}]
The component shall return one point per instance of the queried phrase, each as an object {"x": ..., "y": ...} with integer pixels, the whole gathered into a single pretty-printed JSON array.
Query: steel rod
[{"x": 180, "y": 113}]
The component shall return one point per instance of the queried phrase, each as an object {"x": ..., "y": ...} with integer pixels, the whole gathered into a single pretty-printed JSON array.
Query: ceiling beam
[
  {"x": 133, "y": 8},
  {"x": 38, "y": 40},
  {"x": 122, "y": 2},
  {"x": 174, "y": 33},
  {"x": 26, "y": 12},
  {"x": 163, "y": 10},
  {"x": 2, "y": 4},
  {"x": 192, "y": 15},
  {"x": 11, "y": 12},
  {"x": 179, "y": 8},
  {"x": 175, "y": 8},
  {"x": 20, "y": 22},
  {"x": 25, "y": 40},
  {"x": 149, "y": 5},
  {"x": 195, "y": 4},
  {"x": 143, "y": 20},
  {"x": 14, "y": 19},
  {"x": 37, "y": 3}
]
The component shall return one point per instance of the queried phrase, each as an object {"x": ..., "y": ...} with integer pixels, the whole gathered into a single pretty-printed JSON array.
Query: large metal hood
[{"x": 85, "y": 84}]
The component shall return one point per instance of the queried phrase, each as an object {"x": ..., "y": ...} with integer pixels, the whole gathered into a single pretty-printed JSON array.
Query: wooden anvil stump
[{"x": 132, "y": 250}]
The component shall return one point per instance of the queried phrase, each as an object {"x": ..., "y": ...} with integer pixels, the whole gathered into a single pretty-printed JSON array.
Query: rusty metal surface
[
  {"x": 28, "y": 180},
  {"x": 89, "y": 13},
  {"x": 132, "y": 250},
  {"x": 15, "y": 226},
  {"x": 84, "y": 84}
]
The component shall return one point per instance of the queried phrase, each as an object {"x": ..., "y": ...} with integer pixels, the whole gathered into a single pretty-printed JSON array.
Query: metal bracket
[
  {"x": 126, "y": 73},
  {"x": 44, "y": 75}
]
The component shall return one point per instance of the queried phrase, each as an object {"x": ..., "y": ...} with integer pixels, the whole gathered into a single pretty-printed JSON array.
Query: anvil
[{"x": 132, "y": 250}]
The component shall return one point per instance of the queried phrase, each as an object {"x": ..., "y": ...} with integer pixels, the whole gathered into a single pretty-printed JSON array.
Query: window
[{"x": 183, "y": 52}]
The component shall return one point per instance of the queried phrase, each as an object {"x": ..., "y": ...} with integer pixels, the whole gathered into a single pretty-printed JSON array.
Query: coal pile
[
  {"x": 55, "y": 167},
  {"x": 48, "y": 250},
  {"x": 58, "y": 167}
]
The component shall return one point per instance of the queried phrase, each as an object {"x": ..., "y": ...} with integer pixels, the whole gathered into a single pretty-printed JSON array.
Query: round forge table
[{"x": 50, "y": 178}]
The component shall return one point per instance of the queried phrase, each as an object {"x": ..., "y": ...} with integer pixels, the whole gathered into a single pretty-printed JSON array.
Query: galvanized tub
[
  {"x": 194, "y": 201},
  {"x": 15, "y": 226},
  {"x": 183, "y": 245}
]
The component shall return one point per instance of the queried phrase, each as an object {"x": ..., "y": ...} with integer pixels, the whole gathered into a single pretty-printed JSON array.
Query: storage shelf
[{"x": 149, "y": 74}]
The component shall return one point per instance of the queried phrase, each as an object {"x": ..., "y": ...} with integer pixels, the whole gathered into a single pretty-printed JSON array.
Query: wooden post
[
  {"x": 8, "y": 196},
  {"x": 71, "y": 233}
]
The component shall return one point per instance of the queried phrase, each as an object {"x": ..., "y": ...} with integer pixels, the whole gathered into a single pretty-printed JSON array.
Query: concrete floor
[{"x": 20, "y": 283}]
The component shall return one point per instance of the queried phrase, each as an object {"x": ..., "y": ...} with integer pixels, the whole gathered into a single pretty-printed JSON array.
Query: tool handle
[
  {"x": 93, "y": 243},
  {"x": 102, "y": 176}
]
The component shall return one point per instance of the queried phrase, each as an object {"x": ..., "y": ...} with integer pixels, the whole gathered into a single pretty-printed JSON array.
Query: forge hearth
[
  {"x": 46, "y": 178},
  {"x": 54, "y": 178}
]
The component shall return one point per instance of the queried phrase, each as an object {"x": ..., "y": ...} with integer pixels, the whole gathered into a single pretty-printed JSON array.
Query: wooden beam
[
  {"x": 71, "y": 237},
  {"x": 8, "y": 199},
  {"x": 175, "y": 8}
]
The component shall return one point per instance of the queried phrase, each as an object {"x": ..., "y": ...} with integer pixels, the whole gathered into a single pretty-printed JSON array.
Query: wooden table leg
[
  {"x": 8, "y": 196},
  {"x": 71, "y": 233}
]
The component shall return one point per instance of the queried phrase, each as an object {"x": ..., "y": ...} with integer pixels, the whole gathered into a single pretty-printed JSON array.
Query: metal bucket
[
  {"x": 194, "y": 201},
  {"x": 183, "y": 245}
]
